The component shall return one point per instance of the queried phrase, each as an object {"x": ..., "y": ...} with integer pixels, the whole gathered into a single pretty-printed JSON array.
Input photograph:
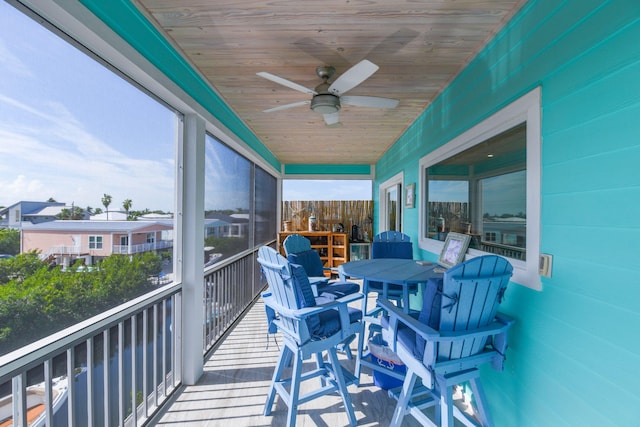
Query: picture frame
[
  {"x": 454, "y": 249},
  {"x": 410, "y": 196}
]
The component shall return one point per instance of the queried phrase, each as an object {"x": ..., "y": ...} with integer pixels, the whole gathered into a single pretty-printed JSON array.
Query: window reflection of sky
[
  {"x": 503, "y": 194},
  {"x": 227, "y": 177}
]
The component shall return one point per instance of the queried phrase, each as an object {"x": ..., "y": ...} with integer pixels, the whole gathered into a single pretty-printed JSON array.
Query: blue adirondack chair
[
  {"x": 391, "y": 244},
  {"x": 308, "y": 329},
  {"x": 299, "y": 251},
  {"x": 457, "y": 330}
]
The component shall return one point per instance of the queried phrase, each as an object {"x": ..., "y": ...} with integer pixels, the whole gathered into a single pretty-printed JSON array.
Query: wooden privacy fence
[{"x": 329, "y": 214}]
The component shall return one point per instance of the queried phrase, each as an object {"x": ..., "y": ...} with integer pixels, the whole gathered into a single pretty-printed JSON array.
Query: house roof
[
  {"x": 97, "y": 226},
  {"x": 28, "y": 207},
  {"x": 47, "y": 211}
]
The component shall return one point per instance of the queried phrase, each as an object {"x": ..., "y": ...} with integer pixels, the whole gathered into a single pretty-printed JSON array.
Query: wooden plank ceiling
[{"x": 419, "y": 45}]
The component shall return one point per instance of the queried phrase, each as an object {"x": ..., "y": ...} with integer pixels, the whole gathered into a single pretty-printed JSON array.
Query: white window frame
[
  {"x": 98, "y": 242},
  {"x": 385, "y": 186},
  {"x": 524, "y": 110}
]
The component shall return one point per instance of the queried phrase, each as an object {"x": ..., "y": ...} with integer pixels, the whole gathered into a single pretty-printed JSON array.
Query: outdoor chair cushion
[
  {"x": 430, "y": 312},
  {"x": 326, "y": 323},
  {"x": 310, "y": 260}
]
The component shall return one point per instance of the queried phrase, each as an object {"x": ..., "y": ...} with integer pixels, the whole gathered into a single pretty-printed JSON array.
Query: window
[
  {"x": 240, "y": 201},
  {"x": 486, "y": 183},
  {"x": 482, "y": 190},
  {"x": 391, "y": 204},
  {"x": 95, "y": 242},
  {"x": 266, "y": 201},
  {"x": 73, "y": 130},
  {"x": 151, "y": 237}
]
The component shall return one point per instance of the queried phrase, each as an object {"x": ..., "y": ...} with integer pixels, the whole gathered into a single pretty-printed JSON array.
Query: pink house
[{"x": 65, "y": 241}]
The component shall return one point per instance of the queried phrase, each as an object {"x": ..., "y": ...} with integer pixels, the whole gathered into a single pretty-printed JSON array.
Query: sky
[
  {"x": 326, "y": 190},
  {"x": 73, "y": 131}
]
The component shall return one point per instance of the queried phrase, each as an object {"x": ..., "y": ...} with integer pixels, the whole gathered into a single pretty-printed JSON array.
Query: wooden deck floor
[{"x": 233, "y": 389}]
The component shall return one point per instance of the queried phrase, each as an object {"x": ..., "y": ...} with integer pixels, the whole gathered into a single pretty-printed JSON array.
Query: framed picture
[
  {"x": 410, "y": 196},
  {"x": 454, "y": 249}
]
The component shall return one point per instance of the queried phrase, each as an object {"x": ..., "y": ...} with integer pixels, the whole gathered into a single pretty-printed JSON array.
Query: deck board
[{"x": 233, "y": 388}]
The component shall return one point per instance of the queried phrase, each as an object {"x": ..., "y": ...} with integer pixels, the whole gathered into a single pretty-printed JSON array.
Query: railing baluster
[
  {"x": 106, "y": 344},
  {"x": 71, "y": 386},
  {"x": 164, "y": 348},
  {"x": 134, "y": 376},
  {"x": 155, "y": 355},
  {"x": 18, "y": 384},
  {"x": 48, "y": 393},
  {"x": 145, "y": 365},
  {"x": 121, "y": 397},
  {"x": 90, "y": 385}
]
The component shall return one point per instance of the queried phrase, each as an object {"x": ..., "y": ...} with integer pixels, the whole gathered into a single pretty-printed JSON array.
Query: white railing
[
  {"x": 140, "y": 342},
  {"x": 142, "y": 247},
  {"x": 60, "y": 250},
  {"x": 508, "y": 251},
  {"x": 230, "y": 286}
]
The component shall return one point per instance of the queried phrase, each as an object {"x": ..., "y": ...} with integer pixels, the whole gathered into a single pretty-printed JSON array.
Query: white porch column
[{"x": 189, "y": 223}]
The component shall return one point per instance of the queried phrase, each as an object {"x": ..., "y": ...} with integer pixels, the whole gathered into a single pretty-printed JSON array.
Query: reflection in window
[
  {"x": 227, "y": 201},
  {"x": 394, "y": 213},
  {"x": 266, "y": 206},
  {"x": 240, "y": 203},
  {"x": 482, "y": 192}
]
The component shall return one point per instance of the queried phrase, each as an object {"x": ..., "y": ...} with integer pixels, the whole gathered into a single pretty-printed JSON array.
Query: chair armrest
[
  {"x": 397, "y": 317},
  {"x": 505, "y": 318},
  {"x": 303, "y": 313},
  {"x": 293, "y": 322},
  {"x": 493, "y": 328}
]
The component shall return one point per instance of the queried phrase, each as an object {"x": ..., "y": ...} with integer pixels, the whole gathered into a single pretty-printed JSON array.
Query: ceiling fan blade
[
  {"x": 353, "y": 77},
  {"x": 285, "y": 82},
  {"x": 369, "y": 101},
  {"x": 331, "y": 118},
  {"x": 287, "y": 106}
]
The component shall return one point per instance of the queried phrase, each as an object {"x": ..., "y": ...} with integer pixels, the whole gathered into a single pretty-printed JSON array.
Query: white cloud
[
  {"x": 54, "y": 155},
  {"x": 11, "y": 63}
]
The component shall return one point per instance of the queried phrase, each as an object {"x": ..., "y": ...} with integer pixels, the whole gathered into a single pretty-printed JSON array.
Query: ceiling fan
[{"x": 327, "y": 97}]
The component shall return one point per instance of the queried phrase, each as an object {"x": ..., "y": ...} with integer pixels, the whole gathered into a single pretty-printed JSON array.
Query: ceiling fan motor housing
[{"x": 325, "y": 103}]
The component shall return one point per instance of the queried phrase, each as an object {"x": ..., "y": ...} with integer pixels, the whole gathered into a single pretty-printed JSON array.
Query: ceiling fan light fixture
[{"x": 325, "y": 103}]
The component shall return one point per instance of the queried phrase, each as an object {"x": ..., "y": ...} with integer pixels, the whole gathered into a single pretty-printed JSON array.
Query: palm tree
[
  {"x": 127, "y": 205},
  {"x": 106, "y": 201},
  {"x": 65, "y": 213}
]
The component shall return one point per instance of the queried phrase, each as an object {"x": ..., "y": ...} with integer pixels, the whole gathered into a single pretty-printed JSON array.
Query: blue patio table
[{"x": 403, "y": 272}]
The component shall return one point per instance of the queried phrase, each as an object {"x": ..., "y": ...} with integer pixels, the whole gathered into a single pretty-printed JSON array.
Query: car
[{"x": 6, "y": 256}]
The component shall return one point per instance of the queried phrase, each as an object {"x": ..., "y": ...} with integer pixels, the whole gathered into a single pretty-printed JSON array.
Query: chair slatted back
[
  {"x": 391, "y": 244},
  {"x": 277, "y": 272},
  {"x": 471, "y": 293},
  {"x": 391, "y": 236},
  {"x": 296, "y": 243}
]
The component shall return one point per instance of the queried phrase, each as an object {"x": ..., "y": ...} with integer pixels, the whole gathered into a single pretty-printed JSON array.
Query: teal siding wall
[
  {"x": 574, "y": 356},
  {"x": 324, "y": 169}
]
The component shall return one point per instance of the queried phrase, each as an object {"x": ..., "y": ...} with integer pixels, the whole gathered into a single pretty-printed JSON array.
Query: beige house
[{"x": 66, "y": 241}]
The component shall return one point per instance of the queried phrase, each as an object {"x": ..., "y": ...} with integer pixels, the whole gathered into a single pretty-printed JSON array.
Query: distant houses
[
  {"x": 32, "y": 212},
  {"x": 93, "y": 238},
  {"x": 66, "y": 241}
]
